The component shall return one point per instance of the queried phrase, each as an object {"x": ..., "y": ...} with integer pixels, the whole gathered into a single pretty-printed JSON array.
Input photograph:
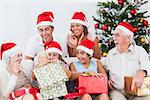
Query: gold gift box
[{"x": 144, "y": 90}]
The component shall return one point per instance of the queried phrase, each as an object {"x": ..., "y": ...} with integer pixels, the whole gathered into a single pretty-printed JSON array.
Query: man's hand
[
  {"x": 138, "y": 79},
  {"x": 111, "y": 84}
]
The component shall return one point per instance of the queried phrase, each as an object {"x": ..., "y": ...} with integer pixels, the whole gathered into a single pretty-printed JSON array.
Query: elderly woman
[{"x": 12, "y": 77}]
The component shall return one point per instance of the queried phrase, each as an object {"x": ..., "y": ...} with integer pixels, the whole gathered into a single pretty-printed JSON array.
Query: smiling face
[
  {"x": 53, "y": 55},
  {"x": 46, "y": 33},
  {"x": 82, "y": 56},
  {"x": 77, "y": 29}
]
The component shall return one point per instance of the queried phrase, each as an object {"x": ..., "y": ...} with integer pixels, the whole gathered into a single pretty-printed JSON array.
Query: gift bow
[{"x": 21, "y": 92}]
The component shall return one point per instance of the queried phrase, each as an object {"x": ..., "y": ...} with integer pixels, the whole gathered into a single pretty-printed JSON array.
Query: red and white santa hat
[
  {"x": 87, "y": 46},
  {"x": 79, "y": 17},
  {"x": 126, "y": 28},
  {"x": 54, "y": 47},
  {"x": 9, "y": 50},
  {"x": 45, "y": 18}
]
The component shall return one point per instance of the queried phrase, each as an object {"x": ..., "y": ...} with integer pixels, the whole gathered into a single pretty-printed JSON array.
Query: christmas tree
[{"x": 111, "y": 13}]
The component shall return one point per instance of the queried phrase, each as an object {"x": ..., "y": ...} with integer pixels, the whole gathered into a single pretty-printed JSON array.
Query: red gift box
[{"x": 93, "y": 84}]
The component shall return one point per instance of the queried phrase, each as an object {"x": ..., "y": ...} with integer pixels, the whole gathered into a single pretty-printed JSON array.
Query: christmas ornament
[
  {"x": 135, "y": 29},
  {"x": 142, "y": 39},
  {"x": 121, "y": 2},
  {"x": 141, "y": 20},
  {"x": 149, "y": 31},
  {"x": 145, "y": 23},
  {"x": 96, "y": 25},
  {"x": 105, "y": 54},
  {"x": 133, "y": 12},
  {"x": 105, "y": 27}
]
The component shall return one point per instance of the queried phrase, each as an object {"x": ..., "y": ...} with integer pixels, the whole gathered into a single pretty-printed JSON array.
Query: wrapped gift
[
  {"x": 127, "y": 86},
  {"x": 93, "y": 84},
  {"x": 49, "y": 74},
  {"x": 55, "y": 90},
  {"x": 41, "y": 59},
  {"x": 144, "y": 90}
]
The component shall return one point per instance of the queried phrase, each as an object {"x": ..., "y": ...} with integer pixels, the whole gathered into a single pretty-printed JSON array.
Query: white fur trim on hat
[
  {"x": 125, "y": 30},
  {"x": 45, "y": 23},
  {"x": 85, "y": 49},
  {"x": 78, "y": 21},
  {"x": 54, "y": 50}
]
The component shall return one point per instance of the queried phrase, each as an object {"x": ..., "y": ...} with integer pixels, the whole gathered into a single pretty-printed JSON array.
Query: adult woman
[{"x": 79, "y": 32}]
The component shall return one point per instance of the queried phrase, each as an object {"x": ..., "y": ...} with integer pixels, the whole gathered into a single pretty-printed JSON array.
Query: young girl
[
  {"x": 87, "y": 65},
  {"x": 12, "y": 77},
  {"x": 79, "y": 32},
  {"x": 53, "y": 54}
]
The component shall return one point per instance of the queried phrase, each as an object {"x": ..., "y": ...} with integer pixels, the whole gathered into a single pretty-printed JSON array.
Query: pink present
[{"x": 93, "y": 84}]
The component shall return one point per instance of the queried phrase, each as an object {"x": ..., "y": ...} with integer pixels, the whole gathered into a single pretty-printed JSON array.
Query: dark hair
[{"x": 85, "y": 30}]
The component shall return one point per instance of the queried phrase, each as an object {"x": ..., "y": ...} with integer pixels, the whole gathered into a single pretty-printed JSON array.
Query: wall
[{"x": 18, "y": 18}]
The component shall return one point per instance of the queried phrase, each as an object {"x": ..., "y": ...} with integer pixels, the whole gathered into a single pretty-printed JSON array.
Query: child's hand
[
  {"x": 93, "y": 74},
  {"x": 54, "y": 60}
]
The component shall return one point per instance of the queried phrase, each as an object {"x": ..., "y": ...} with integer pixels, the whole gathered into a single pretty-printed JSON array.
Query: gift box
[
  {"x": 49, "y": 74},
  {"x": 144, "y": 90},
  {"x": 55, "y": 90},
  {"x": 93, "y": 84}
]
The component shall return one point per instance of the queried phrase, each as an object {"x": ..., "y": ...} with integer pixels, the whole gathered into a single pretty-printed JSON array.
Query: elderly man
[{"x": 126, "y": 59}]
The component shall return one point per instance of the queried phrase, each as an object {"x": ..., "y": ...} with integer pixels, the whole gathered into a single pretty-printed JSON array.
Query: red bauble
[
  {"x": 135, "y": 29},
  {"x": 121, "y": 2},
  {"x": 145, "y": 23},
  {"x": 96, "y": 25},
  {"x": 104, "y": 27},
  {"x": 133, "y": 12}
]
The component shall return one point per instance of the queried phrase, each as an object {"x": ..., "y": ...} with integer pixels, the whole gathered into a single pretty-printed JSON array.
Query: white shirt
[
  {"x": 34, "y": 46},
  {"x": 126, "y": 64},
  {"x": 7, "y": 82}
]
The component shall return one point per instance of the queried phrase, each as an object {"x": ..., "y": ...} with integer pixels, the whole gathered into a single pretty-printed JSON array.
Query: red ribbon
[
  {"x": 76, "y": 94},
  {"x": 18, "y": 93}
]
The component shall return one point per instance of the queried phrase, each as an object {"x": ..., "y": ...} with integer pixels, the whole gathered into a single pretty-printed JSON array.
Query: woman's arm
[
  {"x": 7, "y": 84},
  {"x": 75, "y": 74},
  {"x": 97, "y": 50}
]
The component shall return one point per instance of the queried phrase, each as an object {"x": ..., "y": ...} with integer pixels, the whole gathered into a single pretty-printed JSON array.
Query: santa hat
[
  {"x": 9, "y": 50},
  {"x": 126, "y": 28},
  {"x": 79, "y": 17},
  {"x": 87, "y": 46},
  {"x": 54, "y": 47},
  {"x": 45, "y": 18}
]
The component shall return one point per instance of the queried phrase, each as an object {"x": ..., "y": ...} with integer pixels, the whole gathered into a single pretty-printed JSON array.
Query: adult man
[
  {"x": 126, "y": 59},
  {"x": 45, "y": 26}
]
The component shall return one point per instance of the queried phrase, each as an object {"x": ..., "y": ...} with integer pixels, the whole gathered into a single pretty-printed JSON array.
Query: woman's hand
[
  {"x": 14, "y": 66},
  {"x": 72, "y": 41},
  {"x": 27, "y": 86}
]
